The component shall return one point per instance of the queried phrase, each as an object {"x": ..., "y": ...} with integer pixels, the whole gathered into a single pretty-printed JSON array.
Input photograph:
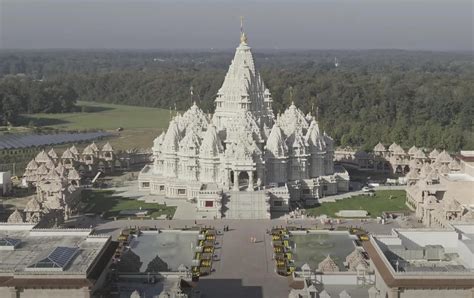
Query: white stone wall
[
  {"x": 436, "y": 293},
  {"x": 317, "y": 165},
  {"x": 46, "y": 293}
]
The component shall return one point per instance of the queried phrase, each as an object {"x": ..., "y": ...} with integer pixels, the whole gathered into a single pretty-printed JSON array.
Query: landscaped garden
[
  {"x": 107, "y": 203},
  {"x": 383, "y": 200}
]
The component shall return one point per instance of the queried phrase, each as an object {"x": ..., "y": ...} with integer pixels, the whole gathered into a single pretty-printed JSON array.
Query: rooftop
[
  {"x": 455, "y": 177},
  {"x": 64, "y": 251},
  {"x": 428, "y": 251}
]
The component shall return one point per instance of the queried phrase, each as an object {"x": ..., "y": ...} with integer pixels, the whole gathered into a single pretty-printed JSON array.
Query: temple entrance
[
  {"x": 243, "y": 180},
  {"x": 406, "y": 169},
  {"x": 399, "y": 170}
]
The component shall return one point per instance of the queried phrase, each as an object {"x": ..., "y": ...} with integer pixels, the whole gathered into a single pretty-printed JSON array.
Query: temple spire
[{"x": 243, "y": 37}]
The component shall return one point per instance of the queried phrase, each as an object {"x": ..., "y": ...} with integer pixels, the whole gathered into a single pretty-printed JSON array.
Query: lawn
[
  {"x": 104, "y": 201},
  {"x": 104, "y": 116},
  {"x": 140, "y": 124},
  {"x": 384, "y": 200}
]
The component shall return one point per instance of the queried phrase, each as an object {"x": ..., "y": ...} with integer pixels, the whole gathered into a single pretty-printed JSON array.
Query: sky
[{"x": 439, "y": 25}]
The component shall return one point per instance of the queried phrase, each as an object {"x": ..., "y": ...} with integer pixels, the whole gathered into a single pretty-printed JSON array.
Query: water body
[
  {"x": 313, "y": 248},
  {"x": 174, "y": 248}
]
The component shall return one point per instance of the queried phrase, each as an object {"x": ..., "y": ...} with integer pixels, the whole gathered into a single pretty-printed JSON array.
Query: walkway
[{"x": 251, "y": 263}]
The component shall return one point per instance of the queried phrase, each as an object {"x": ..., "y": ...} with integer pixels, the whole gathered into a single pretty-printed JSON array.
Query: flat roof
[
  {"x": 459, "y": 177},
  {"x": 37, "y": 244},
  {"x": 394, "y": 279}
]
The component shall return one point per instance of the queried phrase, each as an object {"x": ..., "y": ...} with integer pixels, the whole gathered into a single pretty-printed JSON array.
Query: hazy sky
[{"x": 204, "y": 24}]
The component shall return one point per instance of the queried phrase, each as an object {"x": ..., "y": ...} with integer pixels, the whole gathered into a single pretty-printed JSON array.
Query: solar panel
[
  {"x": 62, "y": 255},
  {"x": 58, "y": 258},
  {"x": 14, "y": 141},
  {"x": 9, "y": 242}
]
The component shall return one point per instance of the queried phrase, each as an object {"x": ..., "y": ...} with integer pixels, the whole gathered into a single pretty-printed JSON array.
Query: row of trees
[
  {"x": 420, "y": 98},
  {"x": 20, "y": 94}
]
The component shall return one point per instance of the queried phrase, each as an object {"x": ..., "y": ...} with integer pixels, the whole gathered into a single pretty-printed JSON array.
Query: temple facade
[{"x": 242, "y": 146}]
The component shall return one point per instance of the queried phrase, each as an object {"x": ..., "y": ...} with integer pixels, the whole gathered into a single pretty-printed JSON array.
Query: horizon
[{"x": 418, "y": 25}]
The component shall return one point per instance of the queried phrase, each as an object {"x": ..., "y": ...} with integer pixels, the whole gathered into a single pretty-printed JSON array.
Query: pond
[
  {"x": 172, "y": 247},
  {"x": 314, "y": 247}
]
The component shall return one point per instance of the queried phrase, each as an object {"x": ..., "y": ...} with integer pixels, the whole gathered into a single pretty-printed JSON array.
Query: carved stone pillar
[
  {"x": 250, "y": 187},
  {"x": 13, "y": 292},
  {"x": 393, "y": 293},
  {"x": 236, "y": 180},
  {"x": 227, "y": 174}
]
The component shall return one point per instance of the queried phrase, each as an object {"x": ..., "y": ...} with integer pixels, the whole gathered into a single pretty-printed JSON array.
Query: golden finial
[{"x": 243, "y": 37}]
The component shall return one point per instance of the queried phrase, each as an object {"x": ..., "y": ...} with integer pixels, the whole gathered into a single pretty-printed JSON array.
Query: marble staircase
[{"x": 246, "y": 205}]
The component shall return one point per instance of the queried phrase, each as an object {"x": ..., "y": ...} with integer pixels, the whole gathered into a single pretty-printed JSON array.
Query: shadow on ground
[{"x": 229, "y": 288}]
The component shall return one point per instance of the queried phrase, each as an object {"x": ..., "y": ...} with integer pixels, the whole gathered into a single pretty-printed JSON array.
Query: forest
[{"x": 408, "y": 97}]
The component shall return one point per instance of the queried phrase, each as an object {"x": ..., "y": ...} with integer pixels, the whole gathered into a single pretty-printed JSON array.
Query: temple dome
[
  {"x": 392, "y": 147},
  {"x": 297, "y": 143},
  {"x": 244, "y": 123},
  {"x": 52, "y": 154},
  {"x": 314, "y": 138},
  {"x": 67, "y": 154},
  {"x": 412, "y": 150},
  {"x": 60, "y": 169},
  {"x": 72, "y": 174},
  {"x": 194, "y": 118},
  {"x": 50, "y": 164},
  {"x": 211, "y": 144},
  {"x": 328, "y": 265},
  {"x": 434, "y": 154},
  {"x": 454, "y": 165},
  {"x": 379, "y": 148},
  {"x": 276, "y": 146},
  {"x": 190, "y": 144},
  {"x": 398, "y": 150},
  {"x": 419, "y": 154},
  {"x": 443, "y": 157},
  {"x": 425, "y": 170},
  {"x": 107, "y": 147},
  {"x": 172, "y": 138},
  {"x": 94, "y": 147},
  {"x": 158, "y": 141},
  {"x": 33, "y": 205},
  {"x": 74, "y": 150},
  {"x": 16, "y": 217},
  {"x": 32, "y": 165},
  {"x": 88, "y": 150},
  {"x": 42, "y": 157},
  {"x": 291, "y": 119},
  {"x": 42, "y": 170}
]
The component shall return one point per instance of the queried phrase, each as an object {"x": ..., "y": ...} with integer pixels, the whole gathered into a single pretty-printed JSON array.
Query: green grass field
[
  {"x": 100, "y": 201},
  {"x": 384, "y": 200},
  {"x": 105, "y": 116},
  {"x": 140, "y": 124}
]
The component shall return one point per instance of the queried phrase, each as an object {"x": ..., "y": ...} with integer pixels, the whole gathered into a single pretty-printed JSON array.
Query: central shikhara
[{"x": 243, "y": 146}]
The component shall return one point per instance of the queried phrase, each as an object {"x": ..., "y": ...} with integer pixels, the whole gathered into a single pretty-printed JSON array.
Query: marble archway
[{"x": 243, "y": 180}]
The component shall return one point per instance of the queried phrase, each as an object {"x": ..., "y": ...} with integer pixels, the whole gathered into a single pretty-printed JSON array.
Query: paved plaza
[{"x": 245, "y": 269}]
